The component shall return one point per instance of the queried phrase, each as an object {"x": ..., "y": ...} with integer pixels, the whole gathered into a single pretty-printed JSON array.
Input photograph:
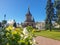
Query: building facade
[
  {"x": 29, "y": 20},
  {"x": 40, "y": 25}
]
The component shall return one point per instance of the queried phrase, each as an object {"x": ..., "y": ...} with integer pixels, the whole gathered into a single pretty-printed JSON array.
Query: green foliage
[
  {"x": 57, "y": 6},
  {"x": 7, "y": 37},
  {"x": 50, "y": 15},
  {"x": 29, "y": 28},
  {"x": 4, "y": 22},
  {"x": 13, "y": 37}
]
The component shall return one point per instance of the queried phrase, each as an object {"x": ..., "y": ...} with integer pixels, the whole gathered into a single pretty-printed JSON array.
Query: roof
[{"x": 28, "y": 13}]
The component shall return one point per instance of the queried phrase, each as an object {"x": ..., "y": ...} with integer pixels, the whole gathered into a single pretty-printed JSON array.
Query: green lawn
[{"x": 48, "y": 34}]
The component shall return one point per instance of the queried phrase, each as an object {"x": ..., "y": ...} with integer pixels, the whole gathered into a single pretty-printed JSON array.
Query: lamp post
[{"x": 5, "y": 17}]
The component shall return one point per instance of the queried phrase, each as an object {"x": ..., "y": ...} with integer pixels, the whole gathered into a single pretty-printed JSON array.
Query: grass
[{"x": 53, "y": 34}]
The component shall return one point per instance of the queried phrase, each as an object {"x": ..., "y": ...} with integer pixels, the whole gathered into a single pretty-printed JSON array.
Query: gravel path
[{"x": 46, "y": 41}]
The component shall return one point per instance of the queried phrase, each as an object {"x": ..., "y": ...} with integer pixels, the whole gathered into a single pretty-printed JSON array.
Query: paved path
[{"x": 46, "y": 41}]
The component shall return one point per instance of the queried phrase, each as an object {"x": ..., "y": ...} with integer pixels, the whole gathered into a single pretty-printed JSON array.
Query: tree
[
  {"x": 50, "y": 15},
  {"x": 57, "y": 6},
  {"x": 14, "y": 25},
  {"x": 4, "y": 23},
  {"x": 0, "y": 24}
]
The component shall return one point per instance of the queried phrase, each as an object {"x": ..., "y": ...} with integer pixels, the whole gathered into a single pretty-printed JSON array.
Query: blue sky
[{"x": 16, "y": 9}]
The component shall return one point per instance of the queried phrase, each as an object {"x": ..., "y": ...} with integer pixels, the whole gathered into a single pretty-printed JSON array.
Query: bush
[{"x": 15, "y": 36}]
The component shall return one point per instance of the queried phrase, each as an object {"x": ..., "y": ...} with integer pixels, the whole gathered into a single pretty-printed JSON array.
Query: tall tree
[
  {"x": 50, "y": 15},
  {"x": 14, "y": 25},
  {"x": 57, "y": 6}
]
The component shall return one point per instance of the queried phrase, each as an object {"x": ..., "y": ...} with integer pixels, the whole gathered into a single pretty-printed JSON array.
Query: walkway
[{"x": 46, "y": 41}]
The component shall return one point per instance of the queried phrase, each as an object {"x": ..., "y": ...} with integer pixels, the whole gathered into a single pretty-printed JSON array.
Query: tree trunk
[{"x": 50, "y": 25}]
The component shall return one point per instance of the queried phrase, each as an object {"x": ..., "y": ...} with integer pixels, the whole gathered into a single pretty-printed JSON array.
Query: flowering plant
[{"x": 16, "y": 36}]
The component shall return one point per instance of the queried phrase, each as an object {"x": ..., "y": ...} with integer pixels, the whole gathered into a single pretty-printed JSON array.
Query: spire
[
  {"x": 28, "y": 13},
  {"x": 28, "y": 9}
]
